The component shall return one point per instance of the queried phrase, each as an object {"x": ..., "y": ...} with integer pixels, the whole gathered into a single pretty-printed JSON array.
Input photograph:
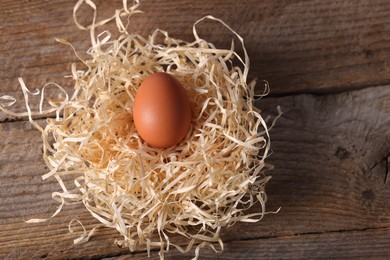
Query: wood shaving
[{"x": 193, "y": 190}]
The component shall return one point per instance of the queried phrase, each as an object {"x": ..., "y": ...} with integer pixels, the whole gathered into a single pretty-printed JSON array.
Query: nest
[{"x": 205, "y": 183}]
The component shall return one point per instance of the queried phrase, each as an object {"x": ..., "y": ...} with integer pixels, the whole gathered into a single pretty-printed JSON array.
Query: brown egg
[{"x": 162, "y": 110}]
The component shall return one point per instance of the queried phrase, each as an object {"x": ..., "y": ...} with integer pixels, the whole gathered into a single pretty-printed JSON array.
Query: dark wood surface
[
  {"x": 327, "y": 65},
  {"x": 329, "y": 245}
]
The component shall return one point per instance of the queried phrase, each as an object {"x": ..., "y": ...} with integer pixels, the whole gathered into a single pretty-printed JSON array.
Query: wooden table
[{"x": 328, "y": 65}]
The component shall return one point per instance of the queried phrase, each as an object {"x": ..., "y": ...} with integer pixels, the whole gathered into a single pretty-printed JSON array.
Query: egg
[{"x": 162, "y": 110}]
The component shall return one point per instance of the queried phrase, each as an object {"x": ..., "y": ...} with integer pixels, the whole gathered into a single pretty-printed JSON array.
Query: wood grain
[
  {"x": 330, "y": 158},
  {"x": 332, "y": 245},
  {"x": 298, "y": 46}
]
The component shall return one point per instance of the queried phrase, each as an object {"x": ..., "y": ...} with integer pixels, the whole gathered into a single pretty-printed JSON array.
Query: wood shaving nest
[{"x": 205, "y": 183}]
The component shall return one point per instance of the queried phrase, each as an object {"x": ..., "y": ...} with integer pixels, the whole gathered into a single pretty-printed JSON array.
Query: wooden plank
[
  {"x": 298, "y": 46},
  {"x": 24, "y": 195},
  {"x": 361, "y": 244},
  {"x": 330, "y": 154},
  {"x": 330, "y": 158}
]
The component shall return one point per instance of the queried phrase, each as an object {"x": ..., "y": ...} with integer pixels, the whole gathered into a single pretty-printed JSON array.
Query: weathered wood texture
[
  {"x": 310, "y": 46},
  {"x": 330, "y": 157},
  {"x": 334, "y": 245}
]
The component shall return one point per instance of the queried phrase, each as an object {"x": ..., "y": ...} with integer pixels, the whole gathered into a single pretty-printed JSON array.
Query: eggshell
[{"x": 162, "y": 110}]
